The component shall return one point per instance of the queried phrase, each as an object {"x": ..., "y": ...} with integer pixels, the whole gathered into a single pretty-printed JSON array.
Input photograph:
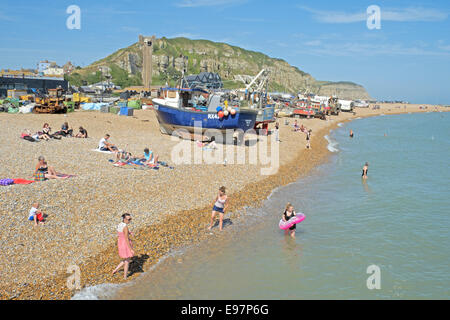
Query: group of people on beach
[
  {"x": 148, "y": 158},
  {"x": 46, "y": 133},
  {"x": 125, "y": 245},
  {"x": 304, "y": 130},
  {"x": 124, "y": 242},
  {"x": 220, "y": 206}
]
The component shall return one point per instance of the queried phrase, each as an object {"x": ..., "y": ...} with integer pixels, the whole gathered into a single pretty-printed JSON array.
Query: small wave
[
  {"x": 98, "y": 292},
  {"x": 340, "y": 124},
  {"x": 107, "y": 291},
  {"x": 332, "y": 144}
]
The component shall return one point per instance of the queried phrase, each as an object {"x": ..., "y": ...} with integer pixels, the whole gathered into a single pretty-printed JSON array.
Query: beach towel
[
  {"x": 29, "y": 138},
  {"x": 62, "y": 175},
  {"x": 22, "y": 181},
  {"x": 98, "y": 150},
  {"x": 6, "y": 182},
  {"x": 132, "y": 165},
  {"x": 39, "y": 176}
]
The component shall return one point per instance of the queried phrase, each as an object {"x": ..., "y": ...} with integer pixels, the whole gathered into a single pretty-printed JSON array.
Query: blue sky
[{"x": 408, "y": 58}]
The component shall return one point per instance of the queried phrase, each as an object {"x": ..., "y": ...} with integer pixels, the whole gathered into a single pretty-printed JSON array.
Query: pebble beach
[{"x": 170, "y": 207}]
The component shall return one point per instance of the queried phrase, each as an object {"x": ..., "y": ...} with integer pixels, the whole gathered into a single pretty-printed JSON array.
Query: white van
[{"x": 347, "y": 105}]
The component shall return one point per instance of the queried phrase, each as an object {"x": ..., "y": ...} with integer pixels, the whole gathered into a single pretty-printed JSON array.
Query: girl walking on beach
[
  {"x": 124, "y": 245},
  {"x": 220, "y": 206},
  {"x": 287, "y": 215}
]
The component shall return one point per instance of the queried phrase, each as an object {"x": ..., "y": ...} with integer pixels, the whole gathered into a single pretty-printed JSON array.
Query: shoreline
[{"x": 152, "y": 242}]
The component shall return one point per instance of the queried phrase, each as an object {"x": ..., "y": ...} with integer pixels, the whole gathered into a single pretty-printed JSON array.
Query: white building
[{"x": 54, "y": 71}]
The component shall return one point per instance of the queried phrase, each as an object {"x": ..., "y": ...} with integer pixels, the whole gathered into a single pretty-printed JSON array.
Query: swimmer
[
  {"x": 365, "y": 170},
  {"x": 351, "y": 134}
]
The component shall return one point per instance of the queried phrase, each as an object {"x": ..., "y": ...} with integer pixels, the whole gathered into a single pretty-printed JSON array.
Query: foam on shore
[
  {"x": 332, "y": 144},
  {"x": 99, "y": 292}
]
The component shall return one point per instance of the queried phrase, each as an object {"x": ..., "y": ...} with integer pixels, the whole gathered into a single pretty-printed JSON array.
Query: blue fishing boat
[{"x": 196, "y": 109}]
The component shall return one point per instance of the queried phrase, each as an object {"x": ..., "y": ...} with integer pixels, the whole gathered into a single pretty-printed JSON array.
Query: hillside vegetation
[{"x": 171, "y": 56}]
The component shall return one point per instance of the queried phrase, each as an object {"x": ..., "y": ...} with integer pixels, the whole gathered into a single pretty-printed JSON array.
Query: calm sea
[{"x": 397, "y": 221}]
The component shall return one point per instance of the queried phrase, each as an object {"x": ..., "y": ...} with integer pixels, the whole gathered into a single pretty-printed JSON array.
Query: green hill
[{"x": 171, "y": 56}]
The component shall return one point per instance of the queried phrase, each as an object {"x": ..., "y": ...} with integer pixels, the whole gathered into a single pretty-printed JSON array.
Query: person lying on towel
[{"x": 124, "y": 156}]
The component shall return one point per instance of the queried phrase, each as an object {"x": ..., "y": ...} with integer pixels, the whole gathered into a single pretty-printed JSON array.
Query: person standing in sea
[
  {"x": 287, "y": 215},
  {"x": 351, "y": 133},
  {"x": 124, "y": 245},
  {"x": 365, "y": 170}
]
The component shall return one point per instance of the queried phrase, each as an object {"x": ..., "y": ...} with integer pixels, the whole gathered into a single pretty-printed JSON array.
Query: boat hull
[
  {"x": 171, "y": 119},
  {"x": 267, "y": 114}
]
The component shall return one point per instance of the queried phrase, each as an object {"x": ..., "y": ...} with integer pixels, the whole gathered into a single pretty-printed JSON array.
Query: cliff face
[
  {"x": 171, "y": 56},
  {"x": 346, "y": 90}
]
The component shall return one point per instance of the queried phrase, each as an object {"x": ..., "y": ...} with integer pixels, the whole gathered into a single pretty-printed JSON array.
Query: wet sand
[{"x": 170, "y": 208}]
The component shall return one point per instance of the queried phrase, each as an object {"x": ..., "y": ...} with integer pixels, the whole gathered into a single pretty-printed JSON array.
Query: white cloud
[
  {"x": 207, "y": 3},
  {"x": 414, "y": 14},
  {"x": 354, "y": 49},
  {"x": 313, "y": 43},
  {"x": 387, "y": 14},
  {"x": 443, "y": 46},
  {"x": 184, "y": 35}
]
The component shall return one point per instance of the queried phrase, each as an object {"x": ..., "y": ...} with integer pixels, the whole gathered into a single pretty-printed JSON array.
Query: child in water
[
  {"x": 287, "y": 215},
  {"x": 365, "y": 170}
]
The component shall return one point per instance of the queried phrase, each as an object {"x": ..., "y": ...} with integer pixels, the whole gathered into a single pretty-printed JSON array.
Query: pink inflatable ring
[{"x": 284, "y": 225}]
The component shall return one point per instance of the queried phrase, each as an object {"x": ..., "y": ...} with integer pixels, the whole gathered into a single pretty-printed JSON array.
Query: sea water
[{"x": 398, "y": 221}]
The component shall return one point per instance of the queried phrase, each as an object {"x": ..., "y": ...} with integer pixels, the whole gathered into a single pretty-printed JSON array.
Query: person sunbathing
[
  {"x": 303, "y": 129},
  {"x": 44, "y": 172},
  {"x": 123, "y": 156},
  {"x": 104, "y": 145},
  {"x": 82, "y": 133},
  {"x": 65, "y": 131},
  {"x": 44, "y": 134},
  {"x": 207, "y": 145},
  {"x": 210, "y": 146},
  {"x": 26, "y": 135},
  {"x": 46, "y": 130},
  {"x": 149, "y": 158}
]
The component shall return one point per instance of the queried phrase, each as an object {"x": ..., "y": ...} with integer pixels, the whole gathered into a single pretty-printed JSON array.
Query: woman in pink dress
[{"x": 124, "y": 244}]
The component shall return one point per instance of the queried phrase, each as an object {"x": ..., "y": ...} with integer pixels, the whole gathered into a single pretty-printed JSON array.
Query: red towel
[{"x": 22, "y": 181}]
